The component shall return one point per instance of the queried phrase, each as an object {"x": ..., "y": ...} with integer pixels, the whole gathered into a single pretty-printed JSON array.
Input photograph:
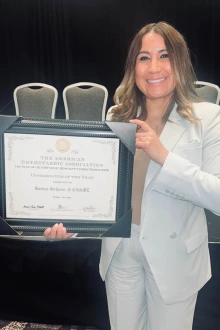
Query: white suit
[{"x": 173, "y": 232}]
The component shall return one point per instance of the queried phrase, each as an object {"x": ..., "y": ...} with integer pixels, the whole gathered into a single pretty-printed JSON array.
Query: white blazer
[{"x": 174, "y": 233}]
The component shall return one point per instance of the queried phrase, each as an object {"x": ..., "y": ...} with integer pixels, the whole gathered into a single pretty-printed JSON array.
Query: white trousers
[{"x": 134, "y": 301}]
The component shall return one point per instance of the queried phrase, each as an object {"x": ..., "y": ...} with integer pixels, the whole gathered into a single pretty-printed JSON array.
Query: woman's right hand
[{"x": 57, "y": 231}]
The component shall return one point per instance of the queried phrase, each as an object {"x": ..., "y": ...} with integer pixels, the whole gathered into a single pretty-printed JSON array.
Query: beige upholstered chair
[
  {"x": 208, "y": 91},
  {"x": 85, "y": 101},
  {"x": 35, "y": 100}
]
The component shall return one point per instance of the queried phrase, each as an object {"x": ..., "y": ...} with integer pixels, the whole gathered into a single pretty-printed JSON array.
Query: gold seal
[{"x": 62, "y": 145}]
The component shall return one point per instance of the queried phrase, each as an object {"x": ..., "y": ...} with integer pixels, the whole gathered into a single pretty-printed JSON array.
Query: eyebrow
[{"x": 146, "y": 52}]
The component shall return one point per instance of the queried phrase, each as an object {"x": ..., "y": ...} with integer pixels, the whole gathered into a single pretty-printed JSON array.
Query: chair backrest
[
  {"x": 35, "y": 102},
  {"x": 85, "y": 103},
  {"x": 208, "y": 91}
]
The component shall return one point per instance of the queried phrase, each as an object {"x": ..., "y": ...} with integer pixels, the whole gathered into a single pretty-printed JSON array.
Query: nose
[{"x": 154, "y": 65}]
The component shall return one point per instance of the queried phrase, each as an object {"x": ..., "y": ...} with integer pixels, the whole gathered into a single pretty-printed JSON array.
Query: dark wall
[{"x": 60, "y": 42}]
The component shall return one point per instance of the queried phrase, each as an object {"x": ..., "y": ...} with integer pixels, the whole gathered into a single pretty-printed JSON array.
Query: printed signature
[
  {"x": 89, "y": 208},
  {"x": 60, "y": 207},
  {"x": 33, "y": 206}
]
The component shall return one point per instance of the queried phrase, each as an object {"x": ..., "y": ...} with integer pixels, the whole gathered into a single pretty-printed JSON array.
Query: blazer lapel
[{"x": 169, "y": 137}]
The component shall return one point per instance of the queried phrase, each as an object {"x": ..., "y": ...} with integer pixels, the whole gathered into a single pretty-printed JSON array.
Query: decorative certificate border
[{"x": 60, "y": 178}]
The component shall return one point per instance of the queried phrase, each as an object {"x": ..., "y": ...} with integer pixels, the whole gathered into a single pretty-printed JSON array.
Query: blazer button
[{"x": 173, "y": 235}]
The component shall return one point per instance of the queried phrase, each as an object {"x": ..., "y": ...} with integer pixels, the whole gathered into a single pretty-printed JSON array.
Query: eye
[
  {"x": 143, "y": 58},
  {"x": 165, "y": 55}
]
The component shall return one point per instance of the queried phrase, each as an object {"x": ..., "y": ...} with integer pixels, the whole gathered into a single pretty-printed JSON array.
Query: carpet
[{"x": 15, "y": 325}]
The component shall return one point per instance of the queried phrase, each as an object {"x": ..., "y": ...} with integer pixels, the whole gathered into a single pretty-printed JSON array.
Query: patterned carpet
[{"x": 14, "y": 325}]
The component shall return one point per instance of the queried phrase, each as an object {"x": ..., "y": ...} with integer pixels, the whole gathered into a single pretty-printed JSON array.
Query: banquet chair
[
  {"x": 35, "y": 100},
  {"x": 85, "y": 101},
  {"x": 208, "y": 92}
]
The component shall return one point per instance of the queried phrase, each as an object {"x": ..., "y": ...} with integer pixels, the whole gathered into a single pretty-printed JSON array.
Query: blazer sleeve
[
  {"x": 179, "y": 178},
  {"x": 109, "y": 114}
]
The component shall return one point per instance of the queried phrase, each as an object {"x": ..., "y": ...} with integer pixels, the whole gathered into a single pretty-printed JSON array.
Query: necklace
[
  {"x": 155, "y": 128},
  {"x": 160, "y": 125}
]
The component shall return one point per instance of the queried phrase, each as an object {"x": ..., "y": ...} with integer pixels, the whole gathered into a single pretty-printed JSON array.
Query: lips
[{"x": 154, "y": 81}]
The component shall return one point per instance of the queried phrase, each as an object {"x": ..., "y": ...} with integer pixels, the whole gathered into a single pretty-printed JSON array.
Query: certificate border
[{"x": 122, "y": 220}]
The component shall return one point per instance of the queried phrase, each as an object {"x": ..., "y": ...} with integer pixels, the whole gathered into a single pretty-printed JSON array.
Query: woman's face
[{"x": 153, "y": 72}]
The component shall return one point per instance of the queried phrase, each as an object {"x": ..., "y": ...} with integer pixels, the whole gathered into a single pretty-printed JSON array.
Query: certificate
[
  {"x": 68, "y": 177},
  {"x": 75, "y": 172}
]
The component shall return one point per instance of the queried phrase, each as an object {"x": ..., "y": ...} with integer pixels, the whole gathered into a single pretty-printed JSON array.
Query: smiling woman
[
  {"x": 152, "y": 279},
  {"x": 160, "y": 50},
  {"x": 153, "y": 71}
]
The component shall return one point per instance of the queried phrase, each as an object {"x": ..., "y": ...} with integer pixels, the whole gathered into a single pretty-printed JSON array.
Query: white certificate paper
[{"x": 61, "y": 177}]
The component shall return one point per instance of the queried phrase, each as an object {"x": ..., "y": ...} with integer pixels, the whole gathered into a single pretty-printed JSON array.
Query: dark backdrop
[{"x": 60, "y": 42}]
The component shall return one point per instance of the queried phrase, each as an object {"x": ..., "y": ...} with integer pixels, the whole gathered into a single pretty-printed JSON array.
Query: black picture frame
[{"x": 125, "y": 132}]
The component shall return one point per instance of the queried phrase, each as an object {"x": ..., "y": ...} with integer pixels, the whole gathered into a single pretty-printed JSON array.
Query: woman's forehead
[{"x": 152, "y": 41}]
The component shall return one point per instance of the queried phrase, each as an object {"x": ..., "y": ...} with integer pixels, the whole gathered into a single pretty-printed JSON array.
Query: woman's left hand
[
  {"x": 57, "y": 231},
  {"x": 149, "y": 142}
]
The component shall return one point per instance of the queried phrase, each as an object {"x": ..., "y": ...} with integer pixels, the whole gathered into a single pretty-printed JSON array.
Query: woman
[{"x": 152, "y": 279}]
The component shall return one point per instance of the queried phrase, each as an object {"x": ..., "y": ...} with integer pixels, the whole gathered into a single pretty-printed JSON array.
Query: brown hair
[{"x": 128, "y": 97}]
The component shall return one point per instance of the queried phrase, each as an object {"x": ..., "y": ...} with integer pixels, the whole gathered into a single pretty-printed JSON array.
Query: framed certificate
[{"x": 75, "y": 172}]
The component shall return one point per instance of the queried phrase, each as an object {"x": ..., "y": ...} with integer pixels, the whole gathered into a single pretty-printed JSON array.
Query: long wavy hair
[{"x": 129, "y": 98}]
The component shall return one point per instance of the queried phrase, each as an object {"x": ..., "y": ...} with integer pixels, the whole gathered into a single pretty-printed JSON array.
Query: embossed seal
[{"x": 62, "y": 145}]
